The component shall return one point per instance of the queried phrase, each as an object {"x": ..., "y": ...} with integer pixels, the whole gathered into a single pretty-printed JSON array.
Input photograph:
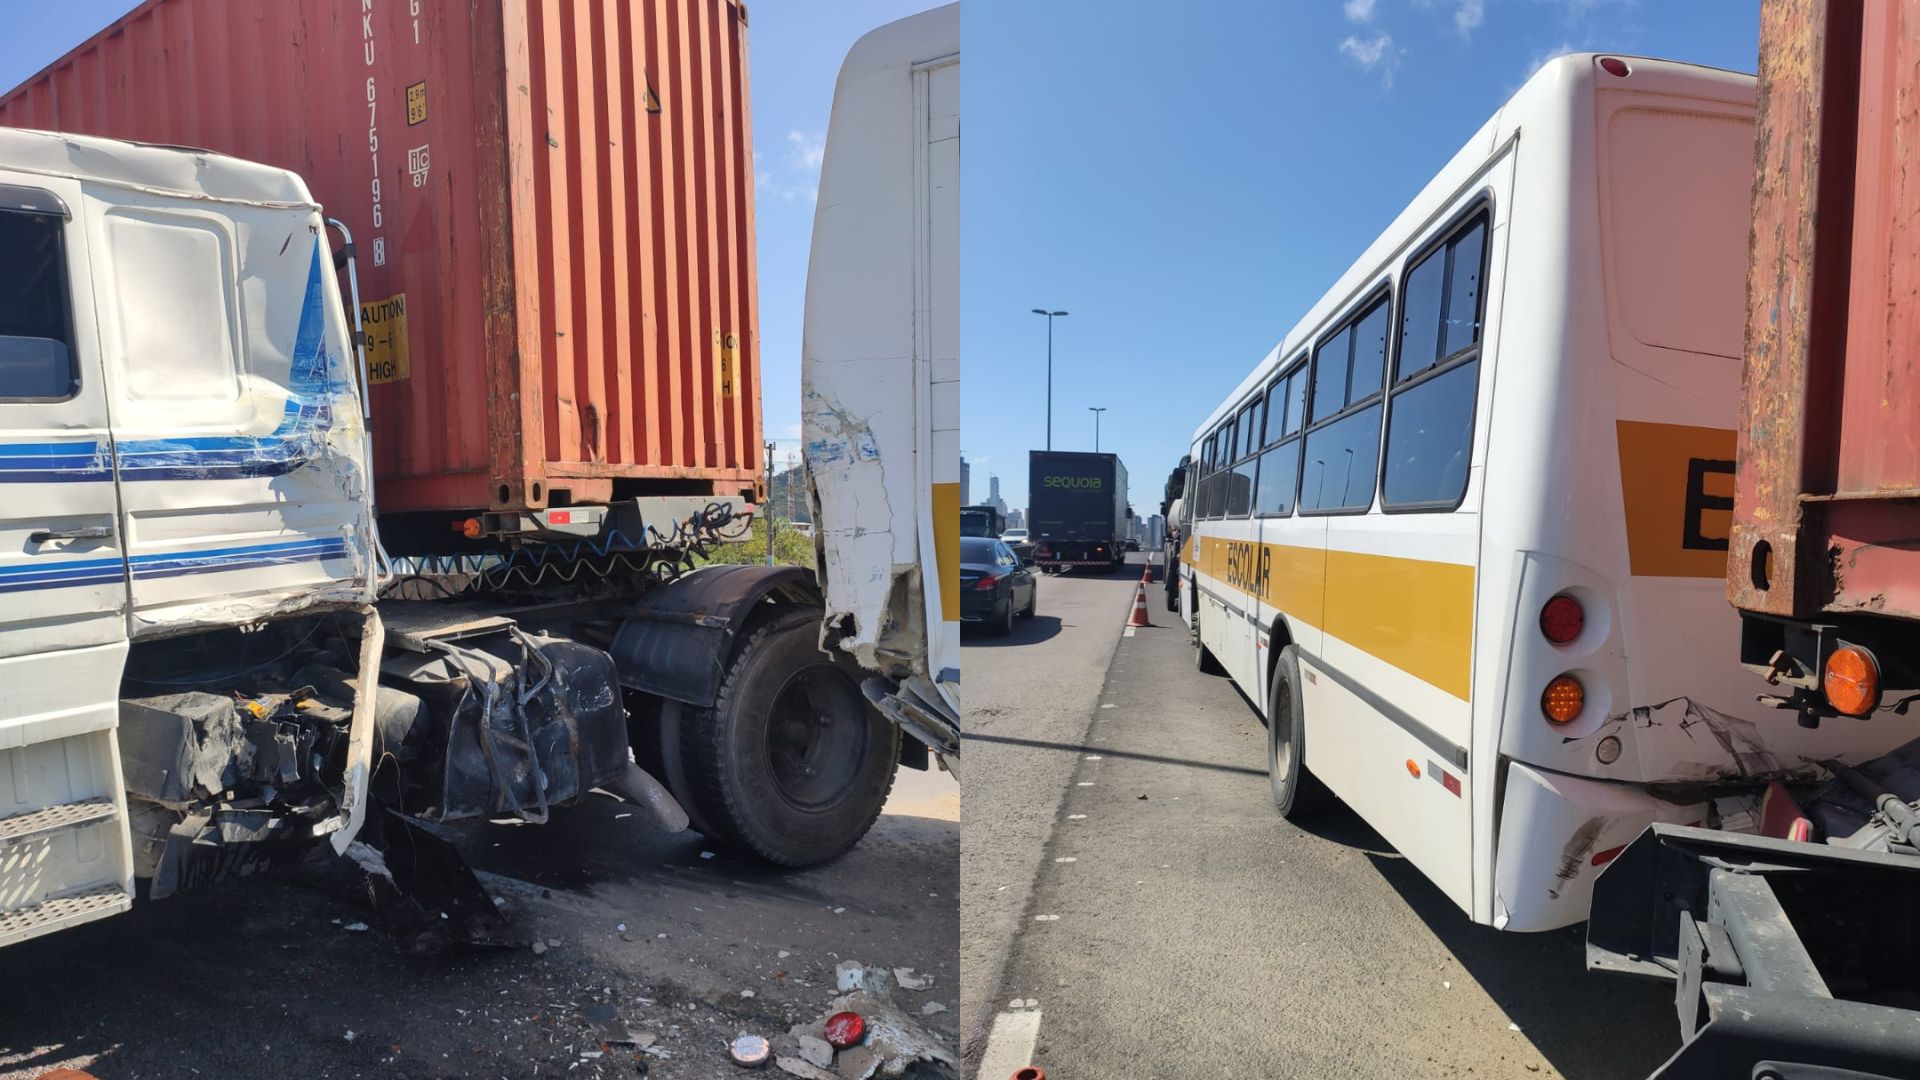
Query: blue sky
[
  {"x": 794, "y": 53},
  {"x": 1186, "y": 182}
]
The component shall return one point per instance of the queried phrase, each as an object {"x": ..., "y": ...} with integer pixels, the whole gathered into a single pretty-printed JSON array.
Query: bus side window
[
  {"x": 1342, "y": 449},
  {"x": 1241, "y": 479},
  {"x": 1280, "y": 462},
  {"x": 1437, "y": 376}
]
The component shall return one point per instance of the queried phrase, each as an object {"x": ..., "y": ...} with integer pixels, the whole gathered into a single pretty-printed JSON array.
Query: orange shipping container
[{"x": 552, "y": 204}]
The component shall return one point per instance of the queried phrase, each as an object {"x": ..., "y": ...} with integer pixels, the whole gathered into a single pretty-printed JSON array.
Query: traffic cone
[
  {"x": 1139, "y": 616},
  {"x": 1030, "y": 1072},
  {"x": 1146, "y": 576}
]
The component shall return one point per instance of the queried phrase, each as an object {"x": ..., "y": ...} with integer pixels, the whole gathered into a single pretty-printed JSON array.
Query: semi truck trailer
[
  {"x": 1791, "y": 944},
  {"x": 1077, "y": 506},
  {"x": 367, "y": 441}
]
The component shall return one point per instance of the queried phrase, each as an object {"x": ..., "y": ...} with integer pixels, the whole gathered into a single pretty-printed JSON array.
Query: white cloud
[
  {"x": 1470, "y": 14},
  {"x": 797, "y": 178},
  {"x": 1375, "y": 54},
  {"x": 805, "y": 150},
  {"x": 1360, "y": 10}
]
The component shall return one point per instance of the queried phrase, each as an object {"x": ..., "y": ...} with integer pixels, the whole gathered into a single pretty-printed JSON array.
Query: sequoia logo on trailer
[{"x": 1076, "y": 483}]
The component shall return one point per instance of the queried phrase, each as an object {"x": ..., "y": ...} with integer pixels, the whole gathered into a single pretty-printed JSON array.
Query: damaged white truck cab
[
  {"x": 209, "y": 663},
  {"x": 181, "y": 447},
  {"x": 881, "y": 391}
]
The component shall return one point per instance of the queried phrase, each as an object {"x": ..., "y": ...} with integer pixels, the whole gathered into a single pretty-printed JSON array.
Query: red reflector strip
[
  {"x": 1602, "y": 858},
  {"x": 559, "y": 517},
  {"x": 1447, "y": 779}
]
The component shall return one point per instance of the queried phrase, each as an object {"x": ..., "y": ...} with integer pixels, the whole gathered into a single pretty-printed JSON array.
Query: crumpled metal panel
[
  {"x": 525, "y": 722},
  {"x": 880, "y": 382}
]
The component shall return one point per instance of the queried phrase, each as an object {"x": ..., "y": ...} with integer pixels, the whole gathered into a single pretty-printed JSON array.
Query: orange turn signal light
[
  {"x": 1852, "y": 681},
  {"x": 471, "y": 528},
  {"x": 1563, "y": 698},
  {"x": 1413, "y": 768}
]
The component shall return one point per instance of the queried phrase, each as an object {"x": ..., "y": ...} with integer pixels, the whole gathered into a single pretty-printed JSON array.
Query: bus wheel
[
  {"x": 1203, "y": 659},
  {"x": 790, "y": 762},
  {"x": 1295, "y": 791}
]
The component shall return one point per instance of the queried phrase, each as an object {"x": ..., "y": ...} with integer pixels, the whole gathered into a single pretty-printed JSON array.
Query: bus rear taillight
[
  {"x": 1562, "y": 619},
  {"x": 1852, "y": 681},
  {"x": 1562, "y": 699},
  {"x": 1615, "y": 67}
]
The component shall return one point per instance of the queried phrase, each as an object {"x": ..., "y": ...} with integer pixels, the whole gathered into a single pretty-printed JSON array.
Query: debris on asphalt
[
  {"x": 356, "y": 927},
  {"x": 746, "y": 993},
  {"x": 853, "y": 975},
  {"x": 816, "y": 1051},
  {"x": 931, "y": 1008},
  {"x": 751, "y": 1051},
  {"x": 539, "y": 947},
  {"x": 794, "y": 1066},
  {"x": 909, "y": 981},
  {"x": 706, "y": 854}
]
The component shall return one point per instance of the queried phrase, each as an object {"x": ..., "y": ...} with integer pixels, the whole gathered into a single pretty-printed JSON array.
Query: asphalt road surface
[
  {"x": 1174, "y": 927},
  {"x": 1027, "y": 694},
  {"x": 664, "y": 939}
]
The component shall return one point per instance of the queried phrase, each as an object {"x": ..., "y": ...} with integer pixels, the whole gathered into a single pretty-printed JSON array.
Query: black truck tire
[{"x": 791, "y": 762}]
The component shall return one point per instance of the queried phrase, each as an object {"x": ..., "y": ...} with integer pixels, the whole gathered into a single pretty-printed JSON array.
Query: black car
[
  {"x": 994, "y": 586},
  {"x": 1132, "y": 544}
]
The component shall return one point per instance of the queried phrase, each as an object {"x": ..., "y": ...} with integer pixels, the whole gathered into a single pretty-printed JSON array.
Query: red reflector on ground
[
  {"x": 844, "y": 1029},
  {"x": 1602, "y": 858}
]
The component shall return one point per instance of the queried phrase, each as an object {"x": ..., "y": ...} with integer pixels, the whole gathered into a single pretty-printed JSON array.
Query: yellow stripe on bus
[
  {"x": 946, "y": 547},
  {"x": 1411, "y": 613}
]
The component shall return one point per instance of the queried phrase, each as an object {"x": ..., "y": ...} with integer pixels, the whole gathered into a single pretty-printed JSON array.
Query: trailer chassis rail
[{"x": 1790, "y": 961}]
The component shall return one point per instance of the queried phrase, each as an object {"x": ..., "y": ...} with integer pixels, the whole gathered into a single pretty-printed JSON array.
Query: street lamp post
[
  {"x": 1096, "y": 410},
  {"x": 1051, "y": 315}
]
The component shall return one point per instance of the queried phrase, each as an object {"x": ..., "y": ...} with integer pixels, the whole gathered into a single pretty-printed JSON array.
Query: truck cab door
[
  {"x": 63, "y": 578},
  {"x": 239, "y": 448}
]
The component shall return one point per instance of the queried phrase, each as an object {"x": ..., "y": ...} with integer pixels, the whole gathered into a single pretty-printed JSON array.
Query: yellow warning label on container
[
  {"x": 385, "y": 323},
  {"x": 417, "y": 103},
  {"x": 726, "y": 348}
]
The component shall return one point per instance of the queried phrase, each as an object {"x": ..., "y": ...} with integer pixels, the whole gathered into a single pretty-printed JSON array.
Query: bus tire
[
  {"x": 790, "y": 762},
  {"x": 1295, "y": 790},
  {"x": 1203, "y": 659}
]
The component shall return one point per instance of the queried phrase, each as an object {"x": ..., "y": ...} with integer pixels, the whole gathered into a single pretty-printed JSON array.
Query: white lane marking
[
  {"x": 1073, "y": 817},
  {"x": 1130, "y": 631},
  {"x": 1046, "y": 918},
  {"x": 1068, "y": 858},
  {"x": 1109, "y": 706},
  {"x": 1010, "y": 1044},
  {"x": 1085, "y": 783},
  {"x": 1093, "y": 757}
]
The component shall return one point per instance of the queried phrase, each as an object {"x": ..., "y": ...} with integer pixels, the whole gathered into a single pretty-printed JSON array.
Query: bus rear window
[{"x": 1678, "y": 197}]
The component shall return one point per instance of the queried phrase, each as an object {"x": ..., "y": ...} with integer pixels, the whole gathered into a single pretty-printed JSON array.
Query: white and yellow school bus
[{"x": 1461, "y": 536}]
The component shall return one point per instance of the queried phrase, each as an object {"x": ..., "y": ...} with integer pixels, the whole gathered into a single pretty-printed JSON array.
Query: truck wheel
[
  {"x": 790, "y": 762},
  {"x": 1295, "y": 790}
]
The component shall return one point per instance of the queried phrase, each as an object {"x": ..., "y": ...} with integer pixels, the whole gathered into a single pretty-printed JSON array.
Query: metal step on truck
[{"x": 285, "y": 567}]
